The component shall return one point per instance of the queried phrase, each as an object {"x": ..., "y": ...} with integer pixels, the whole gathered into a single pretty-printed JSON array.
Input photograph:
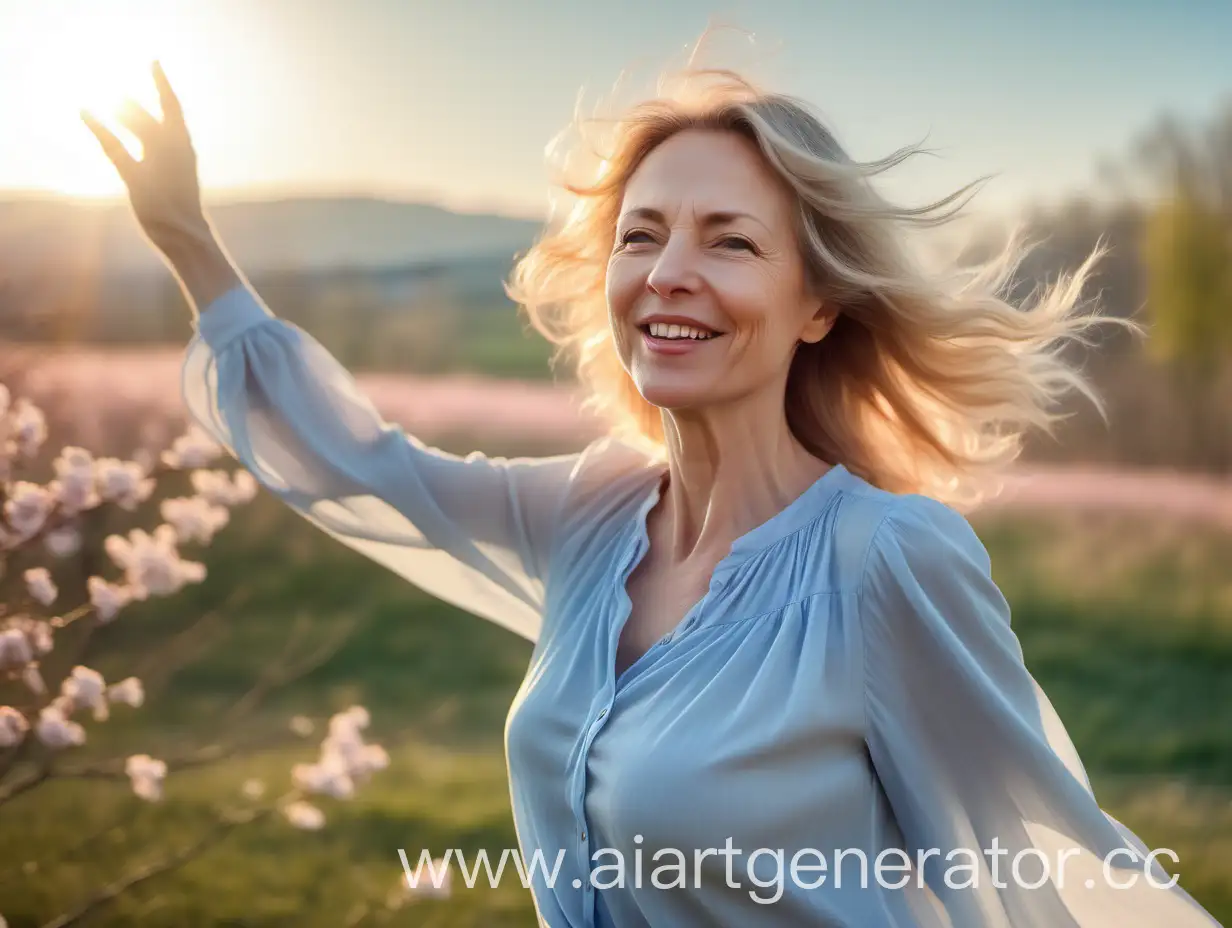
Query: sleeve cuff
[{"x": 229, "y": 316}]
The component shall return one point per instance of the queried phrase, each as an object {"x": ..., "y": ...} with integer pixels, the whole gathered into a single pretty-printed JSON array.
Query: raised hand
[{"x": 163, "y": 187}]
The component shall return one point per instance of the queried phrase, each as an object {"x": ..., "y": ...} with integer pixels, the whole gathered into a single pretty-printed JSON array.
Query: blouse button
[
  {"x": 583, "y": 834},
  {"x": 602, "y": 713}
]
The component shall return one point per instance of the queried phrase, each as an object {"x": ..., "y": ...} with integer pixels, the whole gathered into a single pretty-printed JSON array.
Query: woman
[{"x": 773, "y": 682}]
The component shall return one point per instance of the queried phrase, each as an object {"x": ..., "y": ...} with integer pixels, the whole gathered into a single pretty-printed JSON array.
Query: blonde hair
[{"x": 928, "y": 380}]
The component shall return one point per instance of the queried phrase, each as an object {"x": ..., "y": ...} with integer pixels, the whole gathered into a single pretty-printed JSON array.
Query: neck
[{"x": 730, "y": 469}]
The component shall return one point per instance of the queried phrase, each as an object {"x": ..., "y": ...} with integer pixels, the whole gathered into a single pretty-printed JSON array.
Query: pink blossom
[
  {"x": 40, "y": 585},
  {"x": 13, "y": 727},
  {"x": 128, "y": 691},
  {"x": 56, "y": 731},
  {"x": 107, "y": 598},
  {"x": 195, "y": 448},
  {"x": 304, "y": 815},
  {"x": 146, "y": 775},
  {"x": 27, "y": 508}
]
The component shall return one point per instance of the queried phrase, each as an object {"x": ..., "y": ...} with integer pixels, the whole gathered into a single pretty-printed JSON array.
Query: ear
[{"x": 819, "y": 324}]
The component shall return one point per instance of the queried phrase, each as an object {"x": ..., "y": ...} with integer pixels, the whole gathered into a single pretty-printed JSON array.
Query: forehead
[{"x": 708, "y": 171}]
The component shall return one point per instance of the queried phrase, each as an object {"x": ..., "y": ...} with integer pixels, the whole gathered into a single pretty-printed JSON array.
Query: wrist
[
  {"x": 202, "y": 266},
  {"x": 188, "y": 242}
]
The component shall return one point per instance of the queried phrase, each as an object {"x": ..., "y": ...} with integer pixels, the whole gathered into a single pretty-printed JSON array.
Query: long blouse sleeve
[
  {"x": 475, "y": 531},
  {"x": 976, "y": 765}
]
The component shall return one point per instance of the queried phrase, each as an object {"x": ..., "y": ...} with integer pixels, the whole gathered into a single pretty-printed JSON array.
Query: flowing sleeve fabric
[
  {"x": 975, "y": 763},
  {"x": 476, "y": 531}
]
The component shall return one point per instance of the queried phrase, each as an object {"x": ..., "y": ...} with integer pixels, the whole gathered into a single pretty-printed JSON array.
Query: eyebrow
[{"x": 719, "y": 218}]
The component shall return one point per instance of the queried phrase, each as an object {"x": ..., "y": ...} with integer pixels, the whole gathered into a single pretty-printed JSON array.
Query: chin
[{"x": 677, "y": 395}]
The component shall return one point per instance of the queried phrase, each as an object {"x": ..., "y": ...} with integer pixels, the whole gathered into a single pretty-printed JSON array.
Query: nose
[{"x": 675, "y": 273}]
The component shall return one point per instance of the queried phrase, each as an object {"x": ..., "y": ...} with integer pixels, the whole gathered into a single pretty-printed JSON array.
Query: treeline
[{"x": 1169, "y": 395}]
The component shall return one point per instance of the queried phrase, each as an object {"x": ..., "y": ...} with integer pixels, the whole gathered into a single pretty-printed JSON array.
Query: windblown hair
[{"x": 928, "y": 380}]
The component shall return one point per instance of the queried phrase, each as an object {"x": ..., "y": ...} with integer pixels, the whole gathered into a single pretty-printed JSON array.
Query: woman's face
[{"x": 705, "y": 239}]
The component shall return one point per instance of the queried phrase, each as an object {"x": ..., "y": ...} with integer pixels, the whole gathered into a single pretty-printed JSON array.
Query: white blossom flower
[
  {"x": 29, "y": 427},
  {"x": 128, "y": 691},
  {"x": 304, "y": 815},
  {"x": 344, "y": 760},
  {"x": 302, "y": 725},
  {"x": 107, "y": 598},
  {"x": 64, "y": 541},
  {"x": 344, "y": 736},
  {"x": 122, "y": 482},
  {"x": 356, "y": 717},
  {"x": 194, "y": 518},
  {"x": 329, "y": 777},
  {"x": 86, "y": 689},
  {"x": 222, "y": 489},
  {"x": 23, "y": 639},
  {"x": 146, "y": 775},
  {"x": 40, "y": 585},
  {"x": 151, "y": 563},
  {"x": 13, "y": 727},
  {"x": 74, "y": 483},
  {"x": 27, "y": 508},
  {"x": 15, "y": 648},
  {"x": 56, "y": 731},
  {"x": 253, "y": 789},
  {"x": 372, "y": 758},
  {"x": 195, "y": 448}
]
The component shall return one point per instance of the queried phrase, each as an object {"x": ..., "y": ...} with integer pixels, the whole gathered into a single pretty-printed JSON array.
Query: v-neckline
[{"x": 795, "y": 515}]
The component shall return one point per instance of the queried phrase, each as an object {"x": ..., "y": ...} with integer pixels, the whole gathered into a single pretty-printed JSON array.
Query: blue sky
[{"x": 454, "y": 102}]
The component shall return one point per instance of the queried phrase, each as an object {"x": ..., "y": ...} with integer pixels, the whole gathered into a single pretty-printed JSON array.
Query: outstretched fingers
[
  {"x": 167, "y": 100},
  {"x": 113, "y": 148},
  {"x": 139, "y": 121}
]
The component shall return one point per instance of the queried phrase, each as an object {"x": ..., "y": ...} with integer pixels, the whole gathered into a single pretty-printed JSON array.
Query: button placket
[{"x": 583, "y": 848}]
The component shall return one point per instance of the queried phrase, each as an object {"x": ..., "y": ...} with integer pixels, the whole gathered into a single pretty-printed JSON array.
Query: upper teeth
[{"x": 665, "y": 330}]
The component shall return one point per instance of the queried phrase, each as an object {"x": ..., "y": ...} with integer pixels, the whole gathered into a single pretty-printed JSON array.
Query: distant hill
[
  {"x": 74, "y": 271},
  {"x": 303, "y": 233}
]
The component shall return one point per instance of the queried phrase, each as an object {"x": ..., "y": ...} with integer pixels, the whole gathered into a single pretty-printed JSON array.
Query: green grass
[{"x": 1126, "y": 624}]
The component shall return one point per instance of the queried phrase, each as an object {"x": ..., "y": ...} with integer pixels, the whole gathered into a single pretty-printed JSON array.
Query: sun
[{"x": 89, "y": 55}]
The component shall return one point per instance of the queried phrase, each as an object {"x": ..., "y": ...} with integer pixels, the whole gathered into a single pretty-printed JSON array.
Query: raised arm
[
  {"x": 478, "y": 532},
  {"x": 475, "y": 531}
]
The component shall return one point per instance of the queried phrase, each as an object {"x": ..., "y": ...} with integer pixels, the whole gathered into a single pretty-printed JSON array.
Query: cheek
[
  {"x": 758, "y": 309},
  {"x": 621, "y": 298},
  {"x": 622, "y": 285}
]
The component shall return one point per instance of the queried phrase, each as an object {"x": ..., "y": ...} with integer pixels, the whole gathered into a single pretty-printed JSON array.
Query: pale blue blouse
[{"x": 848, "y": 687}]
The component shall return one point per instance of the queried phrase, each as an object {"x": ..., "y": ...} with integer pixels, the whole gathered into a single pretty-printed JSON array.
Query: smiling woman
[{"x": 771, "y": 633}]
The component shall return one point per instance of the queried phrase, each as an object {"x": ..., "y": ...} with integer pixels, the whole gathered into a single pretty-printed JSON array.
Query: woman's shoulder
[
  {"x": 873, "y": 523},
  {"x": 610, "y": 462},
  {"x": 609, "y": 475}
]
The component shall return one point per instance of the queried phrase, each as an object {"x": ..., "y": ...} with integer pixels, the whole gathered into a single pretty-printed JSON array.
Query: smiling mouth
[{"x": 671, "y": 334}]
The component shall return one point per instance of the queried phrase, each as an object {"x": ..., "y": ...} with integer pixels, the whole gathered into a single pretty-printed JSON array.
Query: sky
[{"x": 454, "y": 102}]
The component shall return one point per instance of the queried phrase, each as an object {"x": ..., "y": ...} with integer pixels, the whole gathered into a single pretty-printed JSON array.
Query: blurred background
[{"x": 374, "y": 167}]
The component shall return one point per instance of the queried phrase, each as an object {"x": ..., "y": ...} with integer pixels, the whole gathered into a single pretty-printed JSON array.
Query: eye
[
  {"x": 628, "y": 237},
  {"x": 739, "y": 242}
]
